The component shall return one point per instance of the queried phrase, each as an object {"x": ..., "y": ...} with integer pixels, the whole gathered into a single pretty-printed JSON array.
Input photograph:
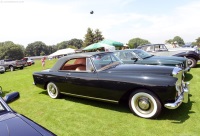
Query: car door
[{"x": 82, "y": 83}]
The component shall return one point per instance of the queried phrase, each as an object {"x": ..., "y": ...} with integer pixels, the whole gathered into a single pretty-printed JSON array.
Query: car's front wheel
[
  {"x": 145, "y": 104},
  {"x": 52, "y": 90},
  {"x": 191, "y": 62},
  {"x": 12, "y": 68}
]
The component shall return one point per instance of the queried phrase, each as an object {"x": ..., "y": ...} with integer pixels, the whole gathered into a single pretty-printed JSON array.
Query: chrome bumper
[
  {"x": 187, "y": 69},
  {"x": 183, "y": 97}
]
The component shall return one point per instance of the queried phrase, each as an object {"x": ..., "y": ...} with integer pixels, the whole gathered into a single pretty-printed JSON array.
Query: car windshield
[
  {"x": 105, "y": 60},
  {"x": 142, "y": 54}
]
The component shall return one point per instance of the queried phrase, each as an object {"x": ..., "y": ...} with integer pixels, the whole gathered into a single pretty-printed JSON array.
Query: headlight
[{"x": 180, "y": 65}]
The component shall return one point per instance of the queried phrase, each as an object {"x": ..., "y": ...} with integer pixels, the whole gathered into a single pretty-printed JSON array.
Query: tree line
[{"x": 10, "y": 50}]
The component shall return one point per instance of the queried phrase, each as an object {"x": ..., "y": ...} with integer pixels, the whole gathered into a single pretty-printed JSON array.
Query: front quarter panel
[{"x": 122, "y": 83}]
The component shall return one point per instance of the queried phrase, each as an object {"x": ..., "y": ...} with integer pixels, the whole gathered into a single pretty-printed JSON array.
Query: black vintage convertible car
[
  {"x": 102, "y": 76},
  {"x": 14, "y": 124},
  {"x": 138, "y": 56}
]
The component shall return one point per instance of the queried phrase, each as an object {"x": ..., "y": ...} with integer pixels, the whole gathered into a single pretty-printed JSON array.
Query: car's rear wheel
[
  {"x": 52, "y": 90},
  {"x": 145, "y": 104},
  {"x": 191, "y": 62}
]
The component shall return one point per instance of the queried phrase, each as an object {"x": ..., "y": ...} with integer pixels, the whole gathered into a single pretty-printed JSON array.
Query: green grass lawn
[{"x": 70, "y": 116}]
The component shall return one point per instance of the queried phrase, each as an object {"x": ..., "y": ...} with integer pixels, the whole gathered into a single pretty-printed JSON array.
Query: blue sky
[{"x": 54, "y": 21}]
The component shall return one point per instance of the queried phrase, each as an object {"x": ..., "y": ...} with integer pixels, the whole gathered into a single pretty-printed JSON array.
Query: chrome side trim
[
  {"x": 88, "y": 97},
  {"x": 183, "y": 97}
]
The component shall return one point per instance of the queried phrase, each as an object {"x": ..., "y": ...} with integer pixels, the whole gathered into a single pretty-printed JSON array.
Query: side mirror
[
  {"x": 134, "y": 59},
  {"x": 11, "y": 97}
]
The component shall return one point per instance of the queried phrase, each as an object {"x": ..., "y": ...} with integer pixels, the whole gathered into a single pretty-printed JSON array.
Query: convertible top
[{"x": 62, "y": 60}]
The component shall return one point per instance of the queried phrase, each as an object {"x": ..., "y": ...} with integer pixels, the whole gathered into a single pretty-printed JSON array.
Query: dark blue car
[{"x": 14, "y": 124}]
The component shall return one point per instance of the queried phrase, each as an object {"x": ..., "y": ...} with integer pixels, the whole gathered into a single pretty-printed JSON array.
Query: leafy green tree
[
  {"x": 62, "y": 45},
  {"x": 36, "y": 48},
  {"x": 89, "y": 38},
  {"x": 42, "y": 54},
  {"x": 71, "y": 46},
  {"x": 97, "y": 36},
  {"x": 92, "y": 37},
  {"x": 77, "y": 43},
  {"x": 135, "y": 42},
  {"x": 52, "y": 48},
  {"x": 179, "y": 40},
  {"x": 198, "y": 42},
  {"x": 9, "y": 50}
]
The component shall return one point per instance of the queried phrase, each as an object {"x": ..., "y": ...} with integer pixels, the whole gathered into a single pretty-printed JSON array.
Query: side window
[
  {"x": 157, "y": 47},
  {"x": 162, "y": 47},
  {"x": 148, "y": 48},
  {"x": 89, "y": 65},
  {"x": 78, "y": 64},
  {"x": 102, "y": 60},
  {"x": 106, "y": 59},
  {"x": 128, "y": 55}
]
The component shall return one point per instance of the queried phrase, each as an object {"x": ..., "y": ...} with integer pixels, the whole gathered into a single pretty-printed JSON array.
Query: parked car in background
[
  {"x": 102, "y": 76},
  {"x": 14, "y": 124},
  {"x": 2, "y": 69},
  {"x": 170, "y": 47},
  {"x": 188, "y": 46},
  {"x": 162, "y": 50},
  {"x": 29, "y": 61},
  {"x": 138, "y": 56},
  {"x": 12, "y": 64}
]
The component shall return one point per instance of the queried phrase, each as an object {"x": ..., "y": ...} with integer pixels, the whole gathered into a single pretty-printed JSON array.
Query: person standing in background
[{"x": 43, "y": 62}]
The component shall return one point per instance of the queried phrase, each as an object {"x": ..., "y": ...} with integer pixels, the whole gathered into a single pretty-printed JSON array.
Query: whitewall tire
[
  {"x": 52, "y": 90},
  {"x": 145, "y": 104},
  {"x": 192, "y": 62}
]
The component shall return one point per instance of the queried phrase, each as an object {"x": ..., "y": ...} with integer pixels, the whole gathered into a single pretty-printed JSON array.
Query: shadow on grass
[
  {"x": 100, "y": 104},
  {"x": 4, "y": 93},
  {"x": 188, "y": 77},
  {"x": 197, "y": 66},
  {"x": 179, "y": 115}
]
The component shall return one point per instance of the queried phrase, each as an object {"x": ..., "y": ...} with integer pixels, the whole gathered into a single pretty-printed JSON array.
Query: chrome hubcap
[
  {"x": 189, "y": 62},
  {"x": 52, "y": 89},
  {"x": 144, "y": 104}
]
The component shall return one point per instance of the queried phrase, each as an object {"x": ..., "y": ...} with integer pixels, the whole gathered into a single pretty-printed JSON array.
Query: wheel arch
[{"x": 125, "y": 97}]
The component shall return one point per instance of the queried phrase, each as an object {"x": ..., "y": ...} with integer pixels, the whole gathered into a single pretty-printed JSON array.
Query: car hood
[
  {"x": 12, "y": 125},
  {"x": 142, "y": 69}
]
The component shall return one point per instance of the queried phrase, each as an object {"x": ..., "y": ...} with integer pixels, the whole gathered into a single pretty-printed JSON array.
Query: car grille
[{"x": 179, "y": 74}]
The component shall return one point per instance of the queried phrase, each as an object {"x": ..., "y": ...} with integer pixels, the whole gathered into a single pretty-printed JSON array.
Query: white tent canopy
[{"x": 62, "y": 52}]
